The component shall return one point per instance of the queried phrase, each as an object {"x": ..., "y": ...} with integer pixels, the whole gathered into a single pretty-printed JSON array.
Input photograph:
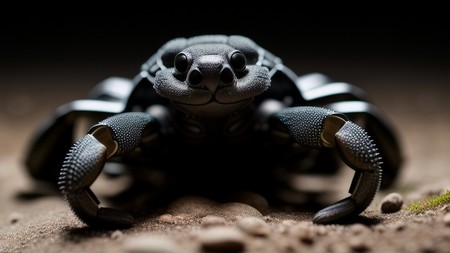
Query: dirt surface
[{"x": 413, "y": 94}]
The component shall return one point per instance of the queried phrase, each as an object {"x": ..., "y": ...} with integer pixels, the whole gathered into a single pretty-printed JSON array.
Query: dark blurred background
[
  {"x": 401, "y": 61},
  {"x": 82, "y": 50},
  {"x": 95, "y": 46}
]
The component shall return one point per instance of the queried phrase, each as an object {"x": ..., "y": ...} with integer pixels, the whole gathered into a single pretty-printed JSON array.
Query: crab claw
[
  {"x": 359, "y": 152},
  {"x": 118, "y": 134},
  {"x": 315, "y": 127}
]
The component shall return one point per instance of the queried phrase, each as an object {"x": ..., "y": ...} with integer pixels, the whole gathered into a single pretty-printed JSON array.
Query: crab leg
[
  {"x": 315, "y": 127},
  {"x": 116, "y": 135}
]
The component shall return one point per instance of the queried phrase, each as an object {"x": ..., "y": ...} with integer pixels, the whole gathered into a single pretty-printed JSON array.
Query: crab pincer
[
  {"x": 315, "y": 127},
  {"x": 117, "y": 135}
]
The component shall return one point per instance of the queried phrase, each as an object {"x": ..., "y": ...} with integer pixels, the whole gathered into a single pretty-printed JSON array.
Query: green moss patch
[{"x": 430, "y": 203}]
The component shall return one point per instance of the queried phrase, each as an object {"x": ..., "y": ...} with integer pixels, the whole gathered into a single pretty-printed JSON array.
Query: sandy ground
[{"x": 414, "y": 97}]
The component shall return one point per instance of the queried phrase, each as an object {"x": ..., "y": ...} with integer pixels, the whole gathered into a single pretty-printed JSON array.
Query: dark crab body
[{"x": 219, "y": 108}]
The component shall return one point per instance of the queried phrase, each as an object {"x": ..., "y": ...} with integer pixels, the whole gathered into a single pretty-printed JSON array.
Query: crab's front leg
[
  {"x": 117, "y": 135},
  {"x": 315, "y": 127}
]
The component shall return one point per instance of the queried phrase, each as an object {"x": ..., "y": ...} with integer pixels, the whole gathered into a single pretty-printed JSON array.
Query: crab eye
[
  {"x": 238, "y": 61},
  {"x": 181, "y": 62}
]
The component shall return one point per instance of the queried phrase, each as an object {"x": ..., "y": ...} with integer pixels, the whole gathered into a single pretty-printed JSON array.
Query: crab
[{"x": 212, "y": 113}]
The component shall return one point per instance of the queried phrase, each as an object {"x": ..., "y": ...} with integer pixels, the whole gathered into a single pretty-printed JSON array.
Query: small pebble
[
  {"x": 380, "y": 228},
  {"x": 399, "y": 226},
  {"x": 254, "y": 226},
  {"x": 284, "y": 226},
  {"x": 306, "y": 237},
  {"x": 150, "y": 244},
  {"x": 392, "y": 203},
  {"x": 304, "y": 232},
  {"x": 253, "y": 199},
  {"x": 320, "y": 230},
  {"x": 236, "y": 210},
  {"x": 289, "y": 223},
  {"x": 195, "y": 206},
  {"x": 219, "y": 239},
  {"x": 171, "y": 219},
  {"x": 446, "y": 209},
  {"x": 211, "y": 220},
  {"x": 14, "y": 218},
  {"x": 116, "y": 235},
  {"x": 428, "y": 247},
  {"x": 358, "y": 229},
  {"x": 268, "y": 218},
  {"x": 359, "y": 245},
  {"x": 419, "y": 219},
  {"x": 447, "y": 219},
  {"x": 167, "y": 218}
]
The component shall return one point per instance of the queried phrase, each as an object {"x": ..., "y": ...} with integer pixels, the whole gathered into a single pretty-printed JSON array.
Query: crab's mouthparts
[{"x": 212, "y": 109}]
